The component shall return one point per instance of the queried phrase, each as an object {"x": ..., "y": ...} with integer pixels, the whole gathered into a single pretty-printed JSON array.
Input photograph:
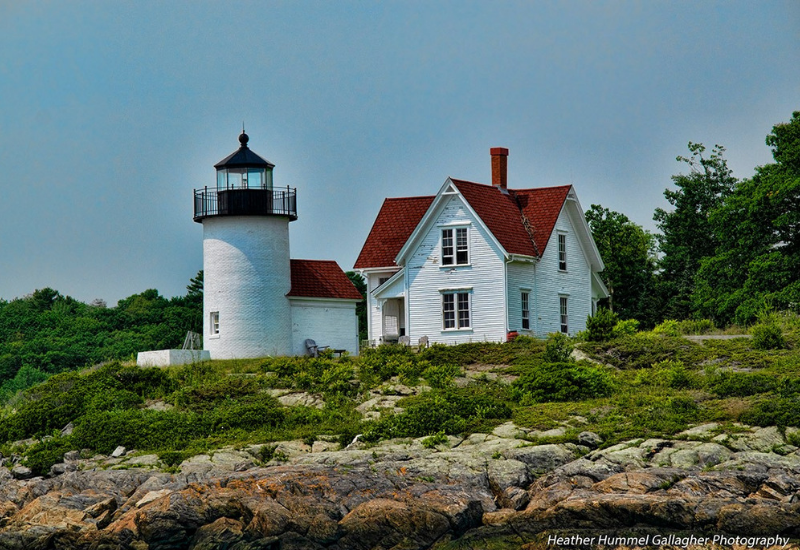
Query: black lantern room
[{"x": 244, "y": 188}]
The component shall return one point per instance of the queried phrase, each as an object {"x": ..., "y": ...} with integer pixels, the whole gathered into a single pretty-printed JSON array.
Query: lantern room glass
[{"x": 244, "y": 178}]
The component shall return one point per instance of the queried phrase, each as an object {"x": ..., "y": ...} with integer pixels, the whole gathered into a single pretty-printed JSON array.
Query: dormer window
[{"x": 455, "y": 246}]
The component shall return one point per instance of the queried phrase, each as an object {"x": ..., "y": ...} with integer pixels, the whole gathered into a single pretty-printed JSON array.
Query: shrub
[
  {"x": 600, "y": 326},
  {"x": 441, "y": 376},
  {"x": 562, "y": 382},
  {"x": 695, "y": 326},
  {"x": 734, "y": 384},
  {"x": 780, "y": 411},
  {"x": 628, "y": 327},
  {"x": 432, "y": 441},
  {"x": 558, "y": 348},
  {"x": 767, "y": 336},
  {"x": 674, "y": 374},
  {"x": 41, "y": 456},
  {"x": 668, "y": 327},
  {"x": 450, "y": 411}
]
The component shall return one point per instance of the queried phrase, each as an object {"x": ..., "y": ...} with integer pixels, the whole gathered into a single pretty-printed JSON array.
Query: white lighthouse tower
[{"x": 247, "y": 272}]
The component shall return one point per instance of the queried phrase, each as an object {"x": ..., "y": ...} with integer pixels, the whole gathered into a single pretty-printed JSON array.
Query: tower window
[
  {"x": 214, "y": 322},
  {"x": 564, "y": 314}
]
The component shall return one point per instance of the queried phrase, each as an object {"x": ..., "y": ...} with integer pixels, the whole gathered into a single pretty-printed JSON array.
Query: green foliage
[
  {"x": 441, "y": 376},
  {"x": 739, "y": 384},
  {"x": 628, "y": 327},
  {"x": 54, "y": 333},
  {"x": 430, "y": 442},
  {"x": 669, "y": 327},
  {"x": 629, "y": 255},
  {"x": 558, "y": 348},
  {"x": 41, "y": 456},
  {"x": 757, "y": 260},
  {"x": 449, "y": 411},
  {"x": 478, "y": 352},
  {"x": 562, "y": 382},
  {"x": 768, "y": 336},
  {"x": 361, "y": 307},
  {"x": 600, "y": 326},
  {"x": 775, "y": 411},
  {"x": 671, "y": 374},
  {"x": 686, "y": 232}
]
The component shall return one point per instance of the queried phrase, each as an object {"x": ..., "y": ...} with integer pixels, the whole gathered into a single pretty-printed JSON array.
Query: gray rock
[
  {"x": 543, "y": 458},
  {"x": 118, "y": 452},
  {"x": 67, "y": 430},
  {"x": 72, "y": 456},
  {"x": 21, "y": 472},
  {"x": 589, "y": 439}
]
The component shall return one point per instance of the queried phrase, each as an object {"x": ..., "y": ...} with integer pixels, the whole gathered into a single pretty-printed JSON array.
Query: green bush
[
  {"x": 41, "y": 456},
  {"x": 668, "y": 327},
  {"x": 441, "y": 376},
  {"x": 628, "y": 327},
  {"x": 562, "y": 382},
  {"x": 558, "y": 348},
  {"x": 695, "y": 326},
  {"x": 600, "y": 326},
  {"x": 249, "y": 414},
  {"x": 478, "y": 352},
  {"x": 450, "y": 411},
  {"x": 739, "y": 384},
  {"x": 767, "y": 336},
  {"x": 777, "y": 411}
]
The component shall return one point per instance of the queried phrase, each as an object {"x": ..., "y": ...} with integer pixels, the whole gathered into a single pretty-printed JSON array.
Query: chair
[
  {"x": 423, "y": 342},
  {"x": 312, "y": 349}
]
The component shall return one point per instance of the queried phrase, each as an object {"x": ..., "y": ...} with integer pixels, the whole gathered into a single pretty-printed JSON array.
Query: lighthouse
[{"x": 246, "y": 264}]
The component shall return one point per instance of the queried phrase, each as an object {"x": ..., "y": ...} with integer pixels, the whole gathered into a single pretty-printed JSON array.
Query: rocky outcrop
[{"x": 401, "y": 494}]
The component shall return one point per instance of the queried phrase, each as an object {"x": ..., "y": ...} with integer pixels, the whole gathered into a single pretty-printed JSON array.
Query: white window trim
[
  {"x": 456, "y": 293},
  {"x": 525, "y": 300},
  {"x": 454, "y": 229},
  {"x": 566, "y": 265},
  {"x": 213, "y": 324},
  {"x": 563, "y": 317}
]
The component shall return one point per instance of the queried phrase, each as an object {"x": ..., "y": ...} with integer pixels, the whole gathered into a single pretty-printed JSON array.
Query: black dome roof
[{"x": 243, "y": 157}]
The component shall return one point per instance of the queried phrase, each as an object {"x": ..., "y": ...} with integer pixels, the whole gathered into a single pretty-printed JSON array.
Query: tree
[
  {"x": 361, "y": 307},
  {"x": 628, "y": 252},
  {"x": 757, "y": 230},
  {"x": 686, "y": 232}
]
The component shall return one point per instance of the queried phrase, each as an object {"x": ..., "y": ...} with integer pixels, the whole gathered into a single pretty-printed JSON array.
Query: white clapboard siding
[
  {"x": 374, "y": 314},
  {"x": 484, "y": 277},
  {"x": 521, "y": 277},
  {"x": 575, "y": 283}
]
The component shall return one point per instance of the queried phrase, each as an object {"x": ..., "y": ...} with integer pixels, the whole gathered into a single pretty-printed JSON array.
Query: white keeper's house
[
  {"x": 256, "y": 301},
  {"x": 476, "y": 262}
]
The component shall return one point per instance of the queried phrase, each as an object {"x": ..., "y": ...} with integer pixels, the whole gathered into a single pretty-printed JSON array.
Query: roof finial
[{"x": 243, "y": 138}]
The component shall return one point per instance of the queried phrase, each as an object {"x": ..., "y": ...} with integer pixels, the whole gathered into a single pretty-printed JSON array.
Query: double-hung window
[
  {"x": 214, "y": 323},
  {"x": 455, "y": 310},
  {"x": 562, "y": 252},
  {"x": 526, "y": 312},
  {"x": 564, "y": 314},
  {"x": 455, "y": 247}
]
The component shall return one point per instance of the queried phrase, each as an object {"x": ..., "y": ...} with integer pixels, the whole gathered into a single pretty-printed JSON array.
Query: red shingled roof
[
  {"x": 396, "y": 221},
  {"x": 502, "y": 213},
  {"x": 321, "y": 279}
]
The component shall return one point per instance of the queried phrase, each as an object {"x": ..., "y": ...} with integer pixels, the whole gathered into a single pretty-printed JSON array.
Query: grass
[{"x": 637, "y": 386}]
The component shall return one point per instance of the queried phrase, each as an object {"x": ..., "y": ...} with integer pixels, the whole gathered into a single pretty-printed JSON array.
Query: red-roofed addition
[
  {"x": 321, "y": 279},
  {"x": 396, "y": 221}
]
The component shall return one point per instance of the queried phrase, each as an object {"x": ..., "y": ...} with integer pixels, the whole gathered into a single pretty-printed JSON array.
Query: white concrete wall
[
  {"x": 484, "y": 276},
  {"x": 167, "y": 357},
  {"x": 575, "y": 283},
  {"x": 331, "y": 323},
  {"x": 246, "y": 278}
]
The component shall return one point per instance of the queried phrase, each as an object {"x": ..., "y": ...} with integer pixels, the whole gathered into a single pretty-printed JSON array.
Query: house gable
[
  {"x": 449, "y": 190},
  {"x": 396, "y": 221}
]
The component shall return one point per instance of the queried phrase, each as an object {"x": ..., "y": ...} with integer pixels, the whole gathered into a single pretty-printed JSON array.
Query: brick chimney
[{"x": 499, "y": 167}]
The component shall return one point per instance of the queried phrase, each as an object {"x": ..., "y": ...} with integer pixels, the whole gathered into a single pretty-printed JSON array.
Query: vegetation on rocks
[{"x": 636, "y": 385}]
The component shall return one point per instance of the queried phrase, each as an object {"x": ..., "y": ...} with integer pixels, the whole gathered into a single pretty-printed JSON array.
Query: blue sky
[{"x": 112, "y": 112}]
